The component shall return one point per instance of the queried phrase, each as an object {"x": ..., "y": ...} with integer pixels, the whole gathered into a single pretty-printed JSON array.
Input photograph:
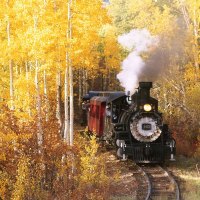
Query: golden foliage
[
  {"x": 34, "y": 31},
  {"x": 22, "y": 181}
]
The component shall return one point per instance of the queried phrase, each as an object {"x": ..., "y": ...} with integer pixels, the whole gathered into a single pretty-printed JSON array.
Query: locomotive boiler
[{"x": 132, "y": 123}]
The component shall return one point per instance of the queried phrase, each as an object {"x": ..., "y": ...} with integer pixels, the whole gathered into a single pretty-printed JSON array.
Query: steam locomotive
[{"x": 132, "y": 123}]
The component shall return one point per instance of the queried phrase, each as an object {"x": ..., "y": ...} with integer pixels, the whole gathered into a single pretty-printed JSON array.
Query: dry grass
[{"x": 188, "y": 177}]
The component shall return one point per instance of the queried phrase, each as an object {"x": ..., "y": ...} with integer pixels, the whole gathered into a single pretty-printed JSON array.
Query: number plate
[{"x": 146, "y": 127}]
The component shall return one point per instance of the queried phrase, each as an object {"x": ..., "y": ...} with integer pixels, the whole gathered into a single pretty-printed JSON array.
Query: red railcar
[
  {"x": 97, "y": 115},
  {"x": 99, "y": 110}
]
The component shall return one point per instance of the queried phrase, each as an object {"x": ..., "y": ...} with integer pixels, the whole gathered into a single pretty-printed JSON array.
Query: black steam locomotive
[{"x": 133, "y": 123}]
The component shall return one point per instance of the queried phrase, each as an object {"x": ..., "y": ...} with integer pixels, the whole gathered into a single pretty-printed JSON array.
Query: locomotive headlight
[{"x": 147, "y": 107}]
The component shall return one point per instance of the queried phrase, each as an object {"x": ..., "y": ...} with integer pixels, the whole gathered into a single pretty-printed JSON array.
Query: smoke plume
[{"x": 137, "y": 42}]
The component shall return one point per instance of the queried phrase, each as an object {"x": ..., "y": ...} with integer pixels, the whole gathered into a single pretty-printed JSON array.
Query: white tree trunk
[
  {"x": 12, "y": 107},
  {"x": 185, "y": 14},
  {"x": 38, "y": 98},
  {"x": 109, "y": 80},
  {"x": 79, "y": 87},
  {"x": 71, "y": 122},
  {"x": 66, "y": 103},
  {"x": 71, "y": 117},
  {"x": 196, "y": 45},
  {"x": 10, "y": 68},
  {"x": 86, "y": 81},
  {"x": 85, "y": 85},
  {"x": 58, "y": 107},
  {"x": 28, "y": 91},
  {"x": 46, "y": 99},
  {"x": 69, "y": 111},
  {"x": 38, "y": 108}
]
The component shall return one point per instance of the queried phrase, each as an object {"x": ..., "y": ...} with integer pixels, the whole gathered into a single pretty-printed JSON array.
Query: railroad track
[{"x": 159, "y": 184}]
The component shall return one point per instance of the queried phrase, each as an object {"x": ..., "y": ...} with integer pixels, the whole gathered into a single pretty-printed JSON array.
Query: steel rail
[
  {"x": 149, "y": 191},
  {"x": 175, "y": 183},
  {"x": 177, "y": 190}
]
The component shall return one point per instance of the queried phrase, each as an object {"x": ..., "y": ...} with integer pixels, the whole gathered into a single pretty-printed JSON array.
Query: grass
[{"x": 188, "y": 177}]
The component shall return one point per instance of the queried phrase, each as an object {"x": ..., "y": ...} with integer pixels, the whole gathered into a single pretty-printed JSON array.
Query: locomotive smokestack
[
  {"x": 144, "y": 89},
  {"x": 145, "y": 85}
]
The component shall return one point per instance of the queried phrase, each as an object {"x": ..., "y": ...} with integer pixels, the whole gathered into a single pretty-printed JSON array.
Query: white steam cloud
[{"x": 136, "y": 41}]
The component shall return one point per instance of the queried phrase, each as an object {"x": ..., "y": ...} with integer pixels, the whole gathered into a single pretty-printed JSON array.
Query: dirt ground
[{"x": 124, "y": 185}]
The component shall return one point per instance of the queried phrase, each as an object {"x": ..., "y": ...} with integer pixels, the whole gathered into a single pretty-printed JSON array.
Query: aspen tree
[
  {"x": 8, "y": 29},
  {"x": 194, "y": 8},
  {"x": 69, "y": 107},
  {"x": 71, "y": 122},
  {"x": 84, "y": 81},
  {"x": 67, "y": 71},
  {"x": 85, "y": 87},
  {"x": 185, "y": 13},
  {"x": 190, "y": 10},
  {"x": 27, "y": 84},
  {"x": 11, "y": 85},
  {"x": 38, "y": 98},
  {"x": 80, "y": 94},
  {"x": 66, "y": 103},
  {"x": 46, "y": 99},
  {"x": 38, "y": 108},
  {"x": 59, "y": 101}
]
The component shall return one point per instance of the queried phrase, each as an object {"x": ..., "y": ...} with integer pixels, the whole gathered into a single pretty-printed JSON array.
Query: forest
[{"x": 52, "y": 53}]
